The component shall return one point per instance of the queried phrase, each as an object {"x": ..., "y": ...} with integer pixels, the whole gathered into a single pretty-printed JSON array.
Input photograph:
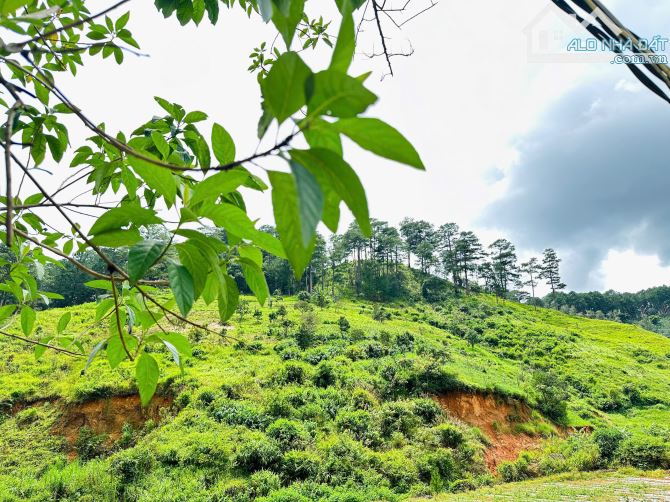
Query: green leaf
[
  {"x": 337, "y": 94},
  {"x": 10, "y": 6},
  {"x": 332, "y": 172},
  {"x": 115, "y": 351},
  {"x": 380, "y": 138},
  {"x": 222, "y": 145},
  {"x": 344, "y": 48},
  {"x": 117, "y": 238},
  {"x": 27, "y": 320},
  {"x": 157, "y": 178},
  {"x": 310, "y": 201},
  {"x": 255, "y": 279},
  {"x": 63, "y": 322},
  {"x": 287, "y": 17},
  {"x": 284, "y": 86},
  {"x": 123, "y": 215},
  {"x": 180, "y": 342},
  {"x": 229, "y": 302},
  {"x": 98, "y": 347},
  {"x": 221, "y": 183},
  {"x": 193, "y": 117},
  {"x": 41, "y": 349},
  {"x": 6, "y": 311},
  {"x": 181, "y": 283},
  {"x": 102, "y": 308},
  {"x": 321, "y": 134},
  {"x": 287, "y": 218},
  {"x": 141, "y": 257},
  {"x": 146, "y": 374},
  {"x": 265, "y": 8},
  {"x": 191, "y": 258},
  {"x": 161, "y": 144},
  {"x": 99, "y": 284}
]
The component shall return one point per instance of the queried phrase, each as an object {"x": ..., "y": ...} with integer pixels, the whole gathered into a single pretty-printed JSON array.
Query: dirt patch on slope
[
  {"x": 108, "y": 416},
  {"x": 496, "y": 417}
]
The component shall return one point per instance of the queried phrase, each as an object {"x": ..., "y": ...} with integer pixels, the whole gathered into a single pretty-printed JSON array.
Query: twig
[{"x": 35, "y": 342}]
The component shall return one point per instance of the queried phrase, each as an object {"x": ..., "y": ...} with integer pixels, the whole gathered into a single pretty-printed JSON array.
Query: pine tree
[
  {"x": 550, "y": 270},
  {"x": 532, "y": 270}
]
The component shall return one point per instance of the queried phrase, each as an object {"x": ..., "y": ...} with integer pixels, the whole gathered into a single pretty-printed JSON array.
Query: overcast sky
[{"x": 565, "y": 153}]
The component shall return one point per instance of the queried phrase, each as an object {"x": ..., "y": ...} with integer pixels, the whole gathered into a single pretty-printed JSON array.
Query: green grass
[{"x": 354, "y": 398}]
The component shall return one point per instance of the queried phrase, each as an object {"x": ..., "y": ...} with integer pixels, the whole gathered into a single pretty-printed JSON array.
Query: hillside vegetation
[{"x": 336, "y": 402}]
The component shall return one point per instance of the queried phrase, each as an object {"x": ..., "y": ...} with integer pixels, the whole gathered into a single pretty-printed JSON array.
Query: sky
[{"x": 519, "y": 140}]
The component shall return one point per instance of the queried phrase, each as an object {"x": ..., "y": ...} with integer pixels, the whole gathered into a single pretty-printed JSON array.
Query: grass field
[{"x": 340, "y": 415}]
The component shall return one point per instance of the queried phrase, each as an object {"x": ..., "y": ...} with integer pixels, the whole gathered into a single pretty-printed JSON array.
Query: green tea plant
[{"x": 172, "y": 162}]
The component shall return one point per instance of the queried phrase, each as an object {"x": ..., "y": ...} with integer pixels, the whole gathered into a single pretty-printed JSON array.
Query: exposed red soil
[
  {"x": 495, "y": 416},
  {"x": 107, "y": 416}
]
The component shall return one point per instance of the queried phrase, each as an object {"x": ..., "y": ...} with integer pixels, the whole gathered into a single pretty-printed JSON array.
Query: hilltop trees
[
  {"x": 550, "y": 270},
  {"x": 530, "y": 271}
]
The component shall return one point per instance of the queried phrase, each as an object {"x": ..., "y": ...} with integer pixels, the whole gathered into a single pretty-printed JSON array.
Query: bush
[
  {"x": 262, "y": 483},
  {"x": 291, "y": 372},
  {"x": 131, "y": 465},
  {"x": 357, "y": 423},
  {"x": 397, "y": 417},
  {"x": 300, "y": 465},
  {"x": 289, "y": 434},
  {"x": 427, "y": 410},
  {"x": 449, "y": 435},
  {"x": 307, "y": 330},
  {"x": 235, "y": 413},
  {"x": 517, "y": 470},
  {"x": 608, "y": 440},
  {"x": 88, "y": 444},
  {"x": 551, "y": 395},
  {"x": 344, "y": 325},
  {"x": 644, "y": 452},
  {"x": 303, "y": 296},
  {"x": 257, "y": 453}
]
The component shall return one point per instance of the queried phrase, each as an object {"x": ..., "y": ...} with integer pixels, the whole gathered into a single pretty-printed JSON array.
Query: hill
[{"x": 352, "y": 401}]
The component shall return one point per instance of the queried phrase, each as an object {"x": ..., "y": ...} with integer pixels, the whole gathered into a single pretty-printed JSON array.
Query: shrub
[
  {"x": 344, "y": 325},
  {"x": 551, "y": 394},
  {"x": 518, "y": 470},
  {"x": 289, "y": 434},
  {"x": 357, "y": 423},
  {"x": 644, "y": 452},
  {"x": 397, "y": 417},
  {"x": 608, "y": 440},
  {"x": 307, "y": 330},
  {"x": 362, "y": 399},
  {"x": 88, "y": 444},
  {"x": 325, "y": 375},
  {"x": 399, "y": 470},
  {"x": 131, "y": 465},
  {"x": 291, "y": 372},
  {"x": 449, "y": 435},
  {"x": 300, "y": 465},
  {"x": 427, "y": 410},
  {"x": 438, "y": 466},
  {"x": 257, "y": 453},
  {"x": 235, "y": 413},
  {"x": 344, "y": 459},
  {"x": 262, "y": 483},
  {"x": 303, "y": 296}
]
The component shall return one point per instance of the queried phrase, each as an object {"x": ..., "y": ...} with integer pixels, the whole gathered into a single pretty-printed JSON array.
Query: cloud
[{"x": 593, "y": 176}]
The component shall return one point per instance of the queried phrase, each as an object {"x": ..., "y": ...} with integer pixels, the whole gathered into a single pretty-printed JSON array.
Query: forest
[{"x": 414, "y": 261}]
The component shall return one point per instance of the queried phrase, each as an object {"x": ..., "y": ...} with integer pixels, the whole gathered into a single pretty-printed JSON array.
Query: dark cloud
[{"x": 594, "y": 176}]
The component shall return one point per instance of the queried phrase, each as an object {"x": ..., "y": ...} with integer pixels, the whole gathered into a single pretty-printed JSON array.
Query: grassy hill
[{"x": 297, "y": 404}]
